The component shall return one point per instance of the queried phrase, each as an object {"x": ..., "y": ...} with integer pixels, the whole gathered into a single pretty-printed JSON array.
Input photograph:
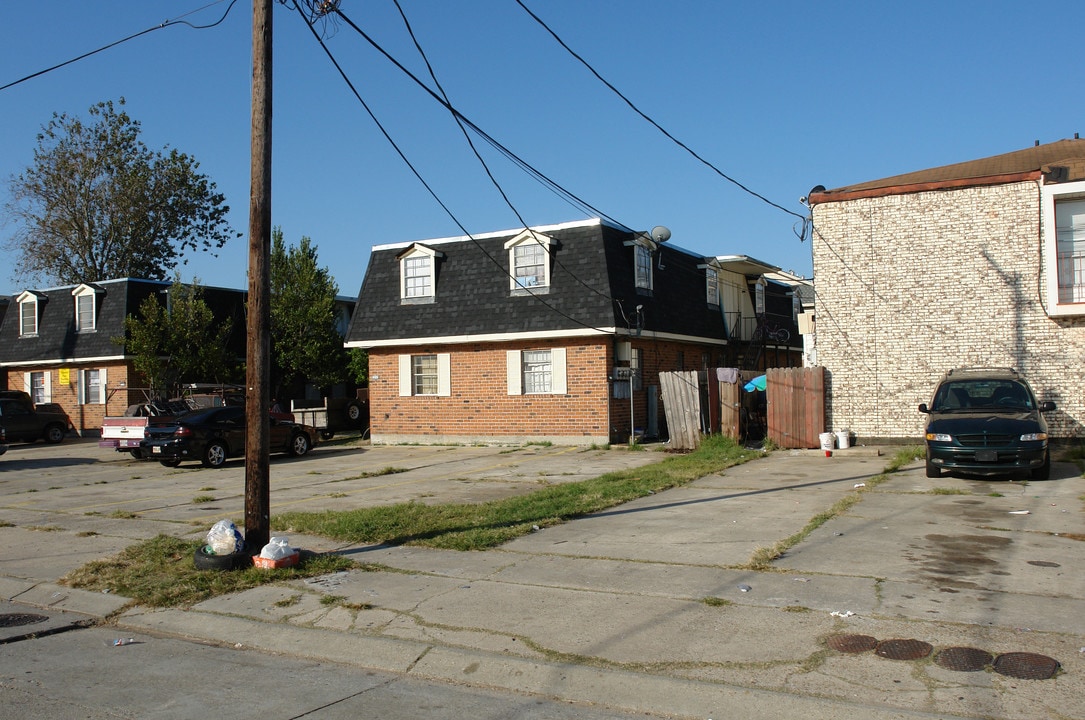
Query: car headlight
[
  {"x": 940, "y": 437},
  {"x": 1034, "y": 436}
]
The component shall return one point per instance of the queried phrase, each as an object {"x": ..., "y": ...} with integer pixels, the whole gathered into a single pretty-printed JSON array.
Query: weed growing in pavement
[
  {"x": 123, "y": 515},
  {"x": 947, "y": 491},
  {"x": 199, "y": 499},
  {"x": 160, "y": 573},
  {"x": 486, "y": 525},
  {"x": 763, "y": 557},
  {"x": 716, "y": 601},
  {"x": 376, "y": 473}
]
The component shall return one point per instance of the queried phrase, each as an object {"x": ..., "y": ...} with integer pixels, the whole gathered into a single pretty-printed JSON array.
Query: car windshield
[{"x": 985, "y": 394}]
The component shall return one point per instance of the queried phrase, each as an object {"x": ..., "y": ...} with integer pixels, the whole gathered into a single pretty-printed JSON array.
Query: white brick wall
[{"x": 909, "y": 286}]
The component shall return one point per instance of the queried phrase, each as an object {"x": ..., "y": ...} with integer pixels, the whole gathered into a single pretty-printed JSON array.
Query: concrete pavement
[{"x": 649, "y": 607}]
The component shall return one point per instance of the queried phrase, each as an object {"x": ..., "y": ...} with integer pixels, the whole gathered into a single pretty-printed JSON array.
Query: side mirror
[
  {"x": 923, "y": 408},
  {"x": 1047, "y": 406}
]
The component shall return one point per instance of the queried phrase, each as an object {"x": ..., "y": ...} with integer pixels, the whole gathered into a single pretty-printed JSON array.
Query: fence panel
[
  {"x": 796, "y": 406},
  {"x": 682, "y": 406}
]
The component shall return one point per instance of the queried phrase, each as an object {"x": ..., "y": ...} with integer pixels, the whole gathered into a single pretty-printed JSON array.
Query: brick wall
[
  {"x": 909, "y": 286},
  {"x": 479, "y": 408}
]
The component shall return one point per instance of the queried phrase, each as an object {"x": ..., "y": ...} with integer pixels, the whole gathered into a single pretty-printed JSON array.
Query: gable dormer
[
  {"x": 30, "y": 303},
  {"x": 418, "y": 273},
  {"x": 86, "y": 307},
  {"x": 529, "y": 260},
  {"x": 644, "y": 247}
]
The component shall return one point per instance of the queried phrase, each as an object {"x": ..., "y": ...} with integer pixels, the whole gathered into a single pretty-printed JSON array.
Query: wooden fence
[{"x": 796, "y": 406}]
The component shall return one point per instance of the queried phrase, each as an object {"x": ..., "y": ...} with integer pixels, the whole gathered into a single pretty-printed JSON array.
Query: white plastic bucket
[
  {"x": 843, "y": 439},
  {"x": 826, "y": 441}
]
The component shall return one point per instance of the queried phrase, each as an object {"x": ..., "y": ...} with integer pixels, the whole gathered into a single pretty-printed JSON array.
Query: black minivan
[{"x": 986, "y": 421}]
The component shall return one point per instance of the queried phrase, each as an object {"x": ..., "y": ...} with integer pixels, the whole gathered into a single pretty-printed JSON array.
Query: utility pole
[{"x": 258, "y": 325}]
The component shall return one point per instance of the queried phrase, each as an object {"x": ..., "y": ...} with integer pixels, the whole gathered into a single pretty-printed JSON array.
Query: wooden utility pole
[{"x": 257, "y": 336}]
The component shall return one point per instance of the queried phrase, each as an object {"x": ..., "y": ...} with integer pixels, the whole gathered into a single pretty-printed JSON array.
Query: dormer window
[
  {"x": 529, "y": 260},
  {"x": 86, "y": 308},
  {"x": 418, "y": 273},
  {"x": 643, "y": 248},
  {"x": 29, "y": 304},
  {"x": 712, "y": 286}
]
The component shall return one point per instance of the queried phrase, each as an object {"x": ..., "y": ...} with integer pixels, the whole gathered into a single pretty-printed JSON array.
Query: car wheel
[
  {"x": 1044, "y": 471},
  {"x": 326, "y": 434},
  {"x": 933, "y": 471},
  {"x": 54, "y": 434},
  {"x": 204, "y": 560},
  {"x": 136, "y": 453},
  {"x": 354, "y": 412},
  {"x": 215, "y": 454},
  {"x": 171, "y": 462},
  {"x": 299, "y": 444}
]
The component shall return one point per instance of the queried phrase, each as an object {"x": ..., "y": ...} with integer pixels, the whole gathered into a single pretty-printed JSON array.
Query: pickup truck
[
  {"x": 124, "y": 433},
  {"x": 23, "y": 420}
]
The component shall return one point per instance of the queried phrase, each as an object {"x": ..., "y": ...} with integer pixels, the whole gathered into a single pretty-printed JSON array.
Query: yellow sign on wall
[{"x": 64, "y": 376}]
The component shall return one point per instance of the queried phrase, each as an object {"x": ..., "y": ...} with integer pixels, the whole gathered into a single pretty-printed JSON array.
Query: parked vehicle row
[
  {"x": 213, "y": 435},
  {"x": 25, "y": 421}
]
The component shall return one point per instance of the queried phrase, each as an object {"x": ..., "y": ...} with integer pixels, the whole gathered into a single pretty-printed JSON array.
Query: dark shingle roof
[
  {"x": 1063, "y": 161},
  {"x": 592, "y": 288}
]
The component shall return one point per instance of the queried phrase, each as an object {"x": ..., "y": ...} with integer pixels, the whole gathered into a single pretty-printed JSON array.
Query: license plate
[
  {"x": 986, "y": 456},
  {"x": 156, "y": 450}
]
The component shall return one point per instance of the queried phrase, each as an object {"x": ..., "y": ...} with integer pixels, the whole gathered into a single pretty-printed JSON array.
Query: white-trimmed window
[
  {"x": 529, "y": 260},
  {"x": 418, "y": 273},
  {"x": 92, "y": 387},
  {"x": 28, "y": 313},
  {"x": 425, "y": 374},
  {"x": 86, "y": 308},
  {"x": 1064, "y": 247},
  {"x": 37, "y": 385},
  {"x": 712, "y": 286},
  {"x": 536, "y": 372}
]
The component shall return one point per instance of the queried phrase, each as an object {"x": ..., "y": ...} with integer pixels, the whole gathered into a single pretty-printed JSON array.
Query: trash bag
[
  {"x": 224, "y": 538},
  {"x": 277, "y": 549}
]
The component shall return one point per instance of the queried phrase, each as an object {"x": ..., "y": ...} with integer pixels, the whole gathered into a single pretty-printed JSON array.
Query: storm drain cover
[
  {"x": 903, "y": 649},
  {"x": 852, "y": 643},
  {"x": 963, "y": 659},
  {"x": 17, "y": 619},
  {"x": 1026, "y": 666},
  {"x": 1043, "y": 563}
]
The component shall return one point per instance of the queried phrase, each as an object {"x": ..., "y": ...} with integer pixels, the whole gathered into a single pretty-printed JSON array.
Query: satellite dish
[{"x": 661, "y": 234}]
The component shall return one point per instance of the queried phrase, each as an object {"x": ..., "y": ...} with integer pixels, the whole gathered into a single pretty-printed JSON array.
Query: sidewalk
[{"x": 647, "y": 606}]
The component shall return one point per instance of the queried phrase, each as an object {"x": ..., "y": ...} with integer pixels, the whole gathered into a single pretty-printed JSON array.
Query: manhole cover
[
  {"x": 963, "y": 659},
  {"x": 1043, "y": 563},
  {"x": 17, "y": 619},
  {"x": 852, "y": 643},
  {"x": 1026, "y": 666},
  {"x": 903, "y": 649}
]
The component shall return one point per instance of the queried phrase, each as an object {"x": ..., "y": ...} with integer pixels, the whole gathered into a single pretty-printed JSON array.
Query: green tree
[
  {"x": 305, "y": 344},
  {"x": 178, "y": 340},
  {"x": 96, "y": 203},
  {"x": 358, "y": 366}
]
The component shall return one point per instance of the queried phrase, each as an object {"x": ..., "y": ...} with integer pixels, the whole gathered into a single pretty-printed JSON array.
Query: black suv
[{"x": 986, "y": 421}]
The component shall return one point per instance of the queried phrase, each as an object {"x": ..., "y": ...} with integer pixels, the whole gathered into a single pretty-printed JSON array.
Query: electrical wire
[
  {"x": 165, "y": 24},
  {"x": 652, "y": 122},
  {"x": 308, "y": 22}
]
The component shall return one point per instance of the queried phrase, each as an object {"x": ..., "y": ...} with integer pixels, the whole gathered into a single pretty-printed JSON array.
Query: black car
[
  {"x": 986, "y": 421},
  {"x": 3, "y": 440},
  {"x": 211, "y": 435}
]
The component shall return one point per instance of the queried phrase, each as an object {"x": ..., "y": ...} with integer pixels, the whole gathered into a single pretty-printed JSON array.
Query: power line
[
  {"x": 656, "y": 125},
  {"x": 308, "y": 20},
  {"x": 165, "y": 24}
]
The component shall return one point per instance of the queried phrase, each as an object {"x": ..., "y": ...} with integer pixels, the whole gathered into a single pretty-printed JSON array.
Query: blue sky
[{"x": 780, "y": 96}]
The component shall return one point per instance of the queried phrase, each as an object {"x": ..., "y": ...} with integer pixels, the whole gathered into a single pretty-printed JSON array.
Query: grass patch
[
  {"x": 160, "y": 573},
  {"x": 376, "y": 473},
  {"x": 123, "y": 515},
  {"x": 486, "y": 525},
  {"x": 764, "y": 556},
  {"x": 716, "y": 601},
  {"x": 947, "y": 491},
  {"x": 995, "y": 494},
  {"x": 203, "y": 499}
]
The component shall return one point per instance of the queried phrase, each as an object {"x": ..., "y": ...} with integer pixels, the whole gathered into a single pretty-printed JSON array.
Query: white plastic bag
[
  {"x": 277, "y": 549},
  {"x": 224, "y": 538}
]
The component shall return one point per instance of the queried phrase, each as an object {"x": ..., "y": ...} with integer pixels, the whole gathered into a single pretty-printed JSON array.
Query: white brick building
[{"x": 979, "y": 263}]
